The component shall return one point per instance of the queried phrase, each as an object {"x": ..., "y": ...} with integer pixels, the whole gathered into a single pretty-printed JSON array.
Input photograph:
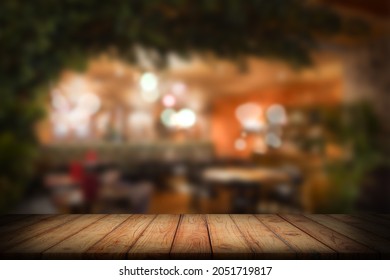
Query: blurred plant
[
  {"x": 356, "y": 129},
  {"x": 17, "y": 147},
  {"x": 39, "y": 38}
]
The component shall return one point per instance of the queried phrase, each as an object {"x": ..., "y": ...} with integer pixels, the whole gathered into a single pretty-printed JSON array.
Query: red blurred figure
[
  {"x": 90, "y": 186},
  {"x": 76, "y": 171},
  {"x": 90, "y": 180}
]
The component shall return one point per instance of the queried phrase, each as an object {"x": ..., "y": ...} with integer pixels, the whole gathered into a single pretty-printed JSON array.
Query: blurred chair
[
  {"x": 289, "y": 194},
  {"x": 245, "y": 196}
]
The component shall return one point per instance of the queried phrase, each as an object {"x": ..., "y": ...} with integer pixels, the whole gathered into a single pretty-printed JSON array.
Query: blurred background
[{"x": 206, "y": 107}]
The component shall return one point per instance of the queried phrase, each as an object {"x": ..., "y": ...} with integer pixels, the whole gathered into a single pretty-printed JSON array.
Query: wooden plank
[
  {"x": 370, "y": 240},
  {"x": 226, "y": 239},
  {"x": 263, "y": 242},
  {"x": 192, "y": 236},
  {"x": 22, "y": 222},
  {"x": 305, "y": 245},
  {"x": 347, "y": 248},
  {"x": 77, "y": 244},
  {"x": 380, "y": 230},
  {"x": 156, "y": 241},
  {"x": 192, "y": 239},
  {"x": 117, "y": 243},
  {"x": 375, "y": 219},
  {"x": 34, "y": 247},
  {"x": 41, "y": 224}
]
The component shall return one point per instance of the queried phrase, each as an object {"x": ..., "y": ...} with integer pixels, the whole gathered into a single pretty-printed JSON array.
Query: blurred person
[
  {"x": 89, "y": 188},
  {"x": 90, "y": 181},
  {"x": 76, "y": 171}
]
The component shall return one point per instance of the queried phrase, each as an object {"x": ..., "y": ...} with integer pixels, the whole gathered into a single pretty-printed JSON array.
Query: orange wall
[{"x": 225, "y": 128}]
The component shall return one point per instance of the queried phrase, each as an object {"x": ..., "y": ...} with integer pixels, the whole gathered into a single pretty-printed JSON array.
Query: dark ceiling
[{"x": 380, "y": 8}]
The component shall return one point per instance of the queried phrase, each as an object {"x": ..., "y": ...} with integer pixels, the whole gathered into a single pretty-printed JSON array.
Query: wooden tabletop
[{"x": 195, "y": 236}]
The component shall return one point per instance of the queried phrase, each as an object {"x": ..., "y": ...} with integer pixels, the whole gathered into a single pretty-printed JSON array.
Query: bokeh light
[
  {"x": 273, "y": 140},
  {"x": 169, "y": 100},
  {"x": 186, "y": 118},
  {"x": 149, "y": 82},
  {"x": 276, "y": 114},
  {"x": 240, "y": 144},
  {"x": 249, "y": 116},
  {"x": 89, "y": 102},
  {"x": 168, "y": 117},
  {"x": 179, "y": 88}
]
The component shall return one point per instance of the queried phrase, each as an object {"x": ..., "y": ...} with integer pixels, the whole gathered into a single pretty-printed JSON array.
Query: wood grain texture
[
  {"x": 301, "y": 242},
  {"x": 117, "y": 243},
  {"x": 192, "y": 239},
  {"x": 344, "y": 246},
  {"x": 34, "y": 247},
  {"x": 226, "y": 239},
  {"x": 156, "y": 241},
  {"x": 39, "y": 227},
  {"x": 20, "y": 222},
  {"x": 263, "y": 242},
  {"x": 370, "y": 240},
  {"x": 377, "y": 229},
  {"x": 375, "y": 219},
  {"x": 76, "y": 245}
]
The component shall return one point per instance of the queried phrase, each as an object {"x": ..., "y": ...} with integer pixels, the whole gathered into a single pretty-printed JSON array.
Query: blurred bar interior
[{"x": 204, "y": 135}]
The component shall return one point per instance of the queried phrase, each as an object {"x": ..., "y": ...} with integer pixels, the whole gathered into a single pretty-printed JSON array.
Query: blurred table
[
  {"x": 245, "y": 184},
  {"x": 245, "y": 174},
  {"x": 64, "y": 192}
]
